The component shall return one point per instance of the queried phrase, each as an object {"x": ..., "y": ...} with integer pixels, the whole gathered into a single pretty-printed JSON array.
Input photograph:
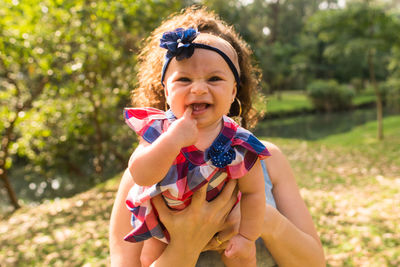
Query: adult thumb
[{"x": 161, "y": 208}]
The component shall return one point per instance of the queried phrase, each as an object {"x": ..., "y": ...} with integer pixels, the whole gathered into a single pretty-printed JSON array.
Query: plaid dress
[{"x": 231, "y": 155}]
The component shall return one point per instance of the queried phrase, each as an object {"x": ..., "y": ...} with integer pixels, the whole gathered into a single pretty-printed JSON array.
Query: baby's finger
[
  {"x": 230, "y": 250},
  {"x": 188, "y": 112}
]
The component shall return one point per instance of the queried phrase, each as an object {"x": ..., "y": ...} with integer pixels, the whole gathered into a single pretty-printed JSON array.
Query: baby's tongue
[{"x": 197, "y": 107}]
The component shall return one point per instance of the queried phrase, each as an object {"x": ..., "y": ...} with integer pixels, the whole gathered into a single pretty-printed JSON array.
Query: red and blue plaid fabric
[{"x": 191, "y": 169}]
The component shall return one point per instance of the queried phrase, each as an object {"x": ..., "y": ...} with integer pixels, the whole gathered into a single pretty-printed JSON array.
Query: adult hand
[
  {"x": 230, "y": 229},
  {"x": 192, "y": 228}
]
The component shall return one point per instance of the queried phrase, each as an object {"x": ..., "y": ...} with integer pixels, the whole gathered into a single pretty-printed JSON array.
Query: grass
[
  {"x": 297, "y": 101},
  {"x": 367, "y": 133},
  {"x": 364, "y": 97},
  {"x": 350, "y": 182},
  {"x": 288, "y": 102}
]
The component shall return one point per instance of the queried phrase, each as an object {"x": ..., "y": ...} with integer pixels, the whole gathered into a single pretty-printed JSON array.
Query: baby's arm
[
  {"x": 252, "y": 203},
  {"x": 252, "y": 208},
  {"x": 150, "y": 162}
]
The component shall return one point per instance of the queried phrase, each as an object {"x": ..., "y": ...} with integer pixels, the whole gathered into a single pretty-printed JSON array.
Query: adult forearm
[
  {"x": 290, "y": 246},
  {"x": 122, "y": 253},
  {"x": 177, "y": 256}
]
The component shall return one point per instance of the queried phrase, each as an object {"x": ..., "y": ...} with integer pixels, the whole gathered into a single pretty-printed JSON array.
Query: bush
[
  {"x": 357, "y": 84},
  {"x": 328, "y": 95},
  {"x": 391, "y": 89}
]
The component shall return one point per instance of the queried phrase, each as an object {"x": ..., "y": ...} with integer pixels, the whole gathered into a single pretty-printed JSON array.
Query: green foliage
[
  {"x": 67, "y": 68},
  {"x": 357, "y": 84},
  {"x": 297, "y": 41},
  {"x": 347, "y": 36},
  {"x": 272, "y": 28},
  {"x": 329, "y": 95},
  {"x": 392, "y": 85},
  {"x": 66, "y": 71},
  {"x": 392, "y": 93}
]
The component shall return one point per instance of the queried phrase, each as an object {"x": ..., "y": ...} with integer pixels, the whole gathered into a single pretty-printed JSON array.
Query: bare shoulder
[
  {"x": 272, "y": 148},
  {"x": 277, "y": 164}
]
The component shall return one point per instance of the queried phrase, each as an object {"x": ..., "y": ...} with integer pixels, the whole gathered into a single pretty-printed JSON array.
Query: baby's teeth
[{"x": 198, "y": 106}]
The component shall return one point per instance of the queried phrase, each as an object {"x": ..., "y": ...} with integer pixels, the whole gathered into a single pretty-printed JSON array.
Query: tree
[
  {"x": 66, "y": 72},
  {"x": 273, "y": 29},
  {"x": 361, "y": 27},
  {"x": 23, "y": 76}
]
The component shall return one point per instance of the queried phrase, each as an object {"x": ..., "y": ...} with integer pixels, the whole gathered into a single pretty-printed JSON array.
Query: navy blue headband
[{"x": 179, "y": 44}]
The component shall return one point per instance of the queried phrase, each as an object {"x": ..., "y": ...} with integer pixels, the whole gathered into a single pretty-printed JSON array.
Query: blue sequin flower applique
[
  {"x": 221, "y": 153},
  {"x": 179, "y": 43}
]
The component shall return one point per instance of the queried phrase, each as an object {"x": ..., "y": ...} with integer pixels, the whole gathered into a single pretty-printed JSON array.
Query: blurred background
[{"x": 330, "y": 99}]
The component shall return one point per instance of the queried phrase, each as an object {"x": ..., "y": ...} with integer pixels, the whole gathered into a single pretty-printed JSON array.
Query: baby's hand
[
  {"x": 241, "y": 247},
  {"x": 185, "y": 129}
]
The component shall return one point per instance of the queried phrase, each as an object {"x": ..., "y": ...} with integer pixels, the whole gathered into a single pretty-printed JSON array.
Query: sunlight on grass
[
  {"x": 354, "y": 199},
  {"x": 288, "y": 101},
  {"x": 291, "y": 101},
  {"x": 366, "y": 133},
  {"x": 350, "y": 182},
  {"x": 64, "y": 232}
]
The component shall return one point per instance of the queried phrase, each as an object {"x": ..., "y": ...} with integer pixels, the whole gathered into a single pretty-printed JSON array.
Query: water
[
  {"x": 32, "y": 189},
  {"x": 314, "y": 126}
]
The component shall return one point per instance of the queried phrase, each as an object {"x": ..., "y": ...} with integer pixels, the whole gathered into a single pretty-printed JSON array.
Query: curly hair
[{"x": 150, "y": 92}]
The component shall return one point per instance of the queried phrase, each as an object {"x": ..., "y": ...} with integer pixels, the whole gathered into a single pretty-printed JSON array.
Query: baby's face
[{"x": 203, "y": 82}]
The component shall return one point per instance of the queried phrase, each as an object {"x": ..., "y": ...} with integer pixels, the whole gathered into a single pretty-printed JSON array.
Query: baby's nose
[{"x": 199, "y": 88}]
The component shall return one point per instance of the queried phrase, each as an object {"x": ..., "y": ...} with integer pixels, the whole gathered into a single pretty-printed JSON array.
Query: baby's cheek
[{"x": 177, "y": 111}]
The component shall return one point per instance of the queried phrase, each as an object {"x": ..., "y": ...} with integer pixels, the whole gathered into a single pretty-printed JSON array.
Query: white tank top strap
[{"x": 268, "y": 186}]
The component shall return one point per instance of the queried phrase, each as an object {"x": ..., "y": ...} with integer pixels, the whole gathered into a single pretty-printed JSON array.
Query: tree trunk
[
  {"x": 379, "y": 106},
  {"x": 274, "y": 37},
  {"x": 275, "y": 17},
  {"x": 9, "y": 131},
  {"x": 5, "y": 146},
  {"x": 10, "y": 190},
  {"x": 279, "y": 92}
]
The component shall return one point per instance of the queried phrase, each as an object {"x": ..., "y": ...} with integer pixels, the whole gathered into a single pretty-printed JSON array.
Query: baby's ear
[
  {"x": 234, "y": 92},
  {"x": 166, "y": 97}
]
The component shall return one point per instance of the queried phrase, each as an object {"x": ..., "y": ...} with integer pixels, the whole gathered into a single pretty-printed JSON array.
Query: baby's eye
[
  {"x": 183, "y": 79},
  {"x": 215, "y": 78}
]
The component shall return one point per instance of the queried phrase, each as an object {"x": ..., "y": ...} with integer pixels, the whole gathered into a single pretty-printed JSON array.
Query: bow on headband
[{"x": 179, "y": 43}]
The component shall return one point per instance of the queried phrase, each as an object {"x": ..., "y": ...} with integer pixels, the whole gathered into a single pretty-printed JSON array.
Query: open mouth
[{"x": 197, "y": 107}]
